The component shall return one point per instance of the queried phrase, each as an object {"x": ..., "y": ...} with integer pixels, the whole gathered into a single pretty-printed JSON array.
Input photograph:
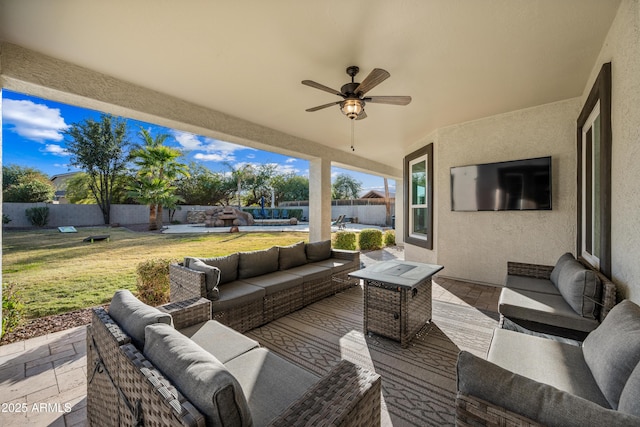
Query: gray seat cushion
[
  {"x": 133, "y": 315},
  {"x": 542, "y": 308},
  {"x": 269, "y": 383},
  {"x": 212, "y": 277},
  {"x": 291, "y": 256},
  {"x": 525, "y": 283},
  {"x": 613, "y": 350},
  {"x": 220, "y": 340},
  {"x": 275, "y": 282},
  {"x": 236, "y": 293},
  {"x": 198, "y": 375},
  {"x": 547, "y": 361},
  {"x": 580, "y": 288},
  {"x": 257, "y": 263},
  {"x": 630, "y": 396},
  {"x": 310, "y": 272},
  {"x": 537, "y": 401},
  {"x": 318, "y": 251},
  {"x": 555, "y": 273},
  {"x": 336, "y": 265}
]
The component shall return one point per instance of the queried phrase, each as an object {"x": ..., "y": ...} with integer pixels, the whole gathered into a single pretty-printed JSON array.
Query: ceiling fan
[{"x": 353, "y": 93}]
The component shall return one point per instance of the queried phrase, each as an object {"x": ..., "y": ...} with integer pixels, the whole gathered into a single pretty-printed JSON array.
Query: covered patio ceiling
[{"x": 458, "y": 60}]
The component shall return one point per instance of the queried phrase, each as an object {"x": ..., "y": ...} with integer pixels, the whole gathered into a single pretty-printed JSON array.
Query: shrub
[
  {"x": 390, "y": 238},
  {"x": 12, "y": 308},
  {"x": 370, "y": 239},
  {"x": 153, "y": 281},
  {"x": 345, "y": 240},
  {"x": 38, "y": 216}
]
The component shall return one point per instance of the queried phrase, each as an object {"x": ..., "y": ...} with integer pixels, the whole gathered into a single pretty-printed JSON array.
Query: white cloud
[
  {"x": 208, "y": 149},
  {"x": 36, "y": 122},
  {"x": 214, "y": 157},
  {"x": 291, "y": 160},
  {"x": 55, "y": 149}
]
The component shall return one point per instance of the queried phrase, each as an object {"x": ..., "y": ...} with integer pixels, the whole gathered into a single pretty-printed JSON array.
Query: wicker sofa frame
[
  {"x": 125, "y": 389},
  {"x": 186, "y": 283}
]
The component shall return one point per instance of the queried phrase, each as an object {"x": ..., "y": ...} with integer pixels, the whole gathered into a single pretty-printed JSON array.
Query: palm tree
[
  {"x": 240, "y": 174},
  {"x": 158, "y": 170}
]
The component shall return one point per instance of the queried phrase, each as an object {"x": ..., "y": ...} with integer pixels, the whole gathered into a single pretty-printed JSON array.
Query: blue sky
[{"x": 33, "y": 135}]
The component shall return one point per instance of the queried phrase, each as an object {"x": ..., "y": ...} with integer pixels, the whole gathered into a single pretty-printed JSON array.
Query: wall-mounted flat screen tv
[{"x": 505, "y": 186}]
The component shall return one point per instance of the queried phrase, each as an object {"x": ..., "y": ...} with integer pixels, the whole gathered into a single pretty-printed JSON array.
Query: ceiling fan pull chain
[{"x": 353, "y": 148}]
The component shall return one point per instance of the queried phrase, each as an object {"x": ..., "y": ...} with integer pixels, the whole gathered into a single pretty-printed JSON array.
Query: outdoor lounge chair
[
  {"x": 257, "y": 215},
  {"x": 339, "y": 222},
  {"x": 285, "y": 214}
]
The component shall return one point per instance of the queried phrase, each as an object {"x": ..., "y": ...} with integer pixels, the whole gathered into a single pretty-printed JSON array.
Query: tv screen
[{"x": 505, "y": 186}]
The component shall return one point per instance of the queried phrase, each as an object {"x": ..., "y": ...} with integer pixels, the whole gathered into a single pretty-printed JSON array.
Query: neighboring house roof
[
  {"x": 60, "y": 181},
  {"x": 375, "y": 194}
]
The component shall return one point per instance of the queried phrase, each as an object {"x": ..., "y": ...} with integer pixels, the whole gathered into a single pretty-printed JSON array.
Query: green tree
[
  {"x": 99, "y": 148},
  {"x": 260, "y": 183},
  {"x": 158, "y": 171},
  {"x": 79, "y": 191},
  {"x": 345, "y": 187},
  {"x": 204, "y": 187},
  {"x": 25, "y": 185},
  {"x": 290, "y": 187}
]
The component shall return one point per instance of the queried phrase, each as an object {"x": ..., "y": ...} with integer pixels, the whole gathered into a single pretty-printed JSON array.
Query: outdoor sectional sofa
[
  {"x": 565, "y": 301},
  {"x": 173, "y": 366},
  {"x": 529, "y": 380},
  {"x": 249, "y": 289}
]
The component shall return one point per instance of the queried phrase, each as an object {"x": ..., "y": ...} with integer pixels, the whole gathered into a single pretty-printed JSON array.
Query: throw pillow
[
  {"x": 580, "y": 287},
  {"x": 555, "y": 273},
  {"x": 198, "y": 375},
  {"x": 630, "y": 397},
  {"x": 612, "y": 350},
  {"x": 133, "y": 315},
  {"x": 257, "y": 263},
  {"x": 228, "y": 266},
  {"x": 212, "y": 278},
  {"x": 291, "y": 256},
  {"x": 318, "y": 251}
]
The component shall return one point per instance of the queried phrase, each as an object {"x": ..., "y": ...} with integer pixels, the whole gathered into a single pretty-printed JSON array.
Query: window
[
  {"x": 594, "y": 175},
  {"x": 418, "y": 196}
]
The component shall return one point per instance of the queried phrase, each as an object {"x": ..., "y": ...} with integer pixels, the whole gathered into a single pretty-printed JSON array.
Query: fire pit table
[{"x": 397, "y": 298}]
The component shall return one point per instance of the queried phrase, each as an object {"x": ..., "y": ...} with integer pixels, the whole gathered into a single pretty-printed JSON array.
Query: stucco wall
[
  {"x": 622, "y": 49},
  {"x": 476, "y": 246}
]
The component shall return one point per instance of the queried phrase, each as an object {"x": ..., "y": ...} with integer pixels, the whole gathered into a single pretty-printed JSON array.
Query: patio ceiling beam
[{"x": 30, "y": 72}]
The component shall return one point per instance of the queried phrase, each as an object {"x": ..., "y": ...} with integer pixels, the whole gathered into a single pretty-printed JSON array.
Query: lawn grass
[{"x": 58, "y": 272}]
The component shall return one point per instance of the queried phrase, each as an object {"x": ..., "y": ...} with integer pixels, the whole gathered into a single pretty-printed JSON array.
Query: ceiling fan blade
[
  {"x": 362, "y": 115},
  {"x": 322, "y": 87},
  {"x": 375, "y": 77},
  {"x": 394, "y": 100},
  {"x": 320, "y": 107}
]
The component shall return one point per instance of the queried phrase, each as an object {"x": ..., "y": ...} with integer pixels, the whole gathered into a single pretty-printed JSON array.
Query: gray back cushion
[
  {"x": 133, "y": 315},
  {"x": 291, "y": 256},
  {"x": 318, "y": 251},
  {"x": 630, "y": 397},
  {"x": 612, "y": 350},
  {"x": 198, "y": 375},
  {"x": 228, "y": 266},
  {"x": 579, "y": 287},
  {"x": 555, "y": 274},
  {"x": 257, "y": 263},
  {"x": 212, "y": 277}
]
